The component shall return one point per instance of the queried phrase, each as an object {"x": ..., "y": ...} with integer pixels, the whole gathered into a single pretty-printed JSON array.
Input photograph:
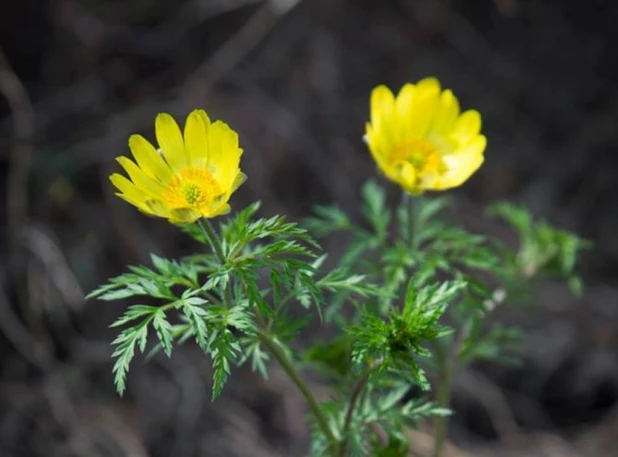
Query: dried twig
[
  {"x": 237, "y": 47},
  {"x": 20, "y": 159}
]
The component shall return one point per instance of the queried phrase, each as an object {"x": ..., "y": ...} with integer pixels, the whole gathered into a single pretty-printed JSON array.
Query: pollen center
[
  {"x": 191, "y": 192},
  {"x": 191, "y": 188},
  {"x": 421, "y": 154}
]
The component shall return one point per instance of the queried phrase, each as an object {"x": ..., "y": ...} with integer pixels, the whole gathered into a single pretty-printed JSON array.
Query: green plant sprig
[{"x": 408, "y": 305}]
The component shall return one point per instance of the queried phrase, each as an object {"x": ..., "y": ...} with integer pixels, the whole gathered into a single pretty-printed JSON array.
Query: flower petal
[
  {"x": 224, "y": 154},
  {"x": 467, "y": 126},
  {"x": 408, "y": 177},
  {"x": 463, "y": 164},
  {"x": 140, "y": 179},
  {"x": 196, "y": 136},
  {"x": 238, "y": 181},
  {"x": 382, "y": 108},
  {"x": 446, "y": 113},
  {"x": 379, "y": 145},
  {"x": 129, "y": 192},
  {"x": 422, "y": 108},
  {"x": 184, "y": 216},
  {"x": 148, "y": 159},
  {"x": 170, "y": 141}
]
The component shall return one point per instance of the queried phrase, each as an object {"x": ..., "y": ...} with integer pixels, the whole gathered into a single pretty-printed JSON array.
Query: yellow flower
[
  {"x": 190, "y": 176},
  {"x": 420, "y": 140}
]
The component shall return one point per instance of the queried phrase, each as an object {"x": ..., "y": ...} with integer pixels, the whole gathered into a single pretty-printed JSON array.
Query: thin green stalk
[
  {"x": 214, "y": 241},
  {"x": 448, "y": 364},
  {"x": 356, "y": 394},
  {"x": 210, "y": 234},
  {"x": 413, "y": 202},
  {"x": 444, "y": 388},
  {"x": 289, "y": 369}
]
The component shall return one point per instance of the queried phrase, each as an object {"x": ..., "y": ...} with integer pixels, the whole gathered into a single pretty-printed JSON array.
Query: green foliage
[
  {"x": 332, "y": 358},
  {"x": 543, "y": 249},
  {"x": 269, "y": 263},
  {"x": 388, "y": 408},
  {"x": 390, "y": 343},
  {"x": 411, "y": 295},
  {"x": 143, "y": 281},
  {"x": 428, "y": 270},
  {"x": 126, "y": 342}
]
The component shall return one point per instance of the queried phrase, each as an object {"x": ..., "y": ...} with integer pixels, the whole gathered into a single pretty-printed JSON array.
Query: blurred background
[{"x": 293, "y": 77}]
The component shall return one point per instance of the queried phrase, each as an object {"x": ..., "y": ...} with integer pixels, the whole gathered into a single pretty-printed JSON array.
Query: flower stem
[
  {"x": 214, "y": 241},
  {"x": 289, "y": 369},
  {"x": 444, "y": 388},
  {"x": 414, "y": 203},
  {"x": 356, "y": 394},
  {"x": 210, "y": 234},
  {"x": 448, "y": 363}
]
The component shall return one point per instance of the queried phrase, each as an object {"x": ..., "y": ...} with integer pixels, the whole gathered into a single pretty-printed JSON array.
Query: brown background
[{"x": 293, "y": 78}]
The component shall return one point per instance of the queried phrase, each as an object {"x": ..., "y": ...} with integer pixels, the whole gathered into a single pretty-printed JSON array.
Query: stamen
[
  {"x": 422, "y": 154},
  {"x": 192, "y": 188}
]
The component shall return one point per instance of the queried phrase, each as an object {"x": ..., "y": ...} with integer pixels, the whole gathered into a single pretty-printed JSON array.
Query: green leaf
[
  {"x": 193, "y": 308},
  {"x": 235, "y": 229},
  {"x": 430, "y": 207},
  {"x": 394, "y": 340},
  {"x": 126, "y": 344},
  {"x": 253, "y": 351},
  {"x": 327, "y": 219},
  {"x": 332, "y": 357},
  {"x": 543, "y": 249},
  {"x": 164, "y": 331},
  {"x": 375, "y": 208},
  {"x": 223, "y": 352},
  {"x": 134, "y": 312}
]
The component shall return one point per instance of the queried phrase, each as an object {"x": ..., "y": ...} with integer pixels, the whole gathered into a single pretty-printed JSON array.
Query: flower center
[
  {"x": 421, "y": 154},
  {"x": 191, "y": 192},
  {"x": 191, "y": 188}
]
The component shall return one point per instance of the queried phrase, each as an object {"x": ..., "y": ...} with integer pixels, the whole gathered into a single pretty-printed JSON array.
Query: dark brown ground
[{"x": 293, "y": 77}]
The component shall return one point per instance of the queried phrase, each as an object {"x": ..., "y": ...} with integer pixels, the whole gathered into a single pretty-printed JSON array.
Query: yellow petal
[
  {"x": 158, "y": 208},
  {"x": 467, "y": 126},
  {"x": 184, "y": 216},
  {"x": 196, "y": 136},
  {"x": 128, "y": 191},
  {"x": 404, "y": 104},
  {"x": 428, "y": 83},
  {"x": 131, "y": 194},
  {"x": 379, "y": 146},
  {"x": 224, "y": 154},
  {"x": 216, "y": 211},
  {"x": 170, "y": 141},
  {"x": 148, "y": 159},
  {"x": 137, "y": 204},
  {"x": 446, "y": 113},
  {"x": 407, "y": 177},
  {"x": 139, "y": 178},
  {"x": 382, "y": 108},
  {"x": 238, "y": 181},
  {"x": 462, "y": 164},
  {"x": 224, "y": 209},
  {"x": 422, "y": 108}
]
